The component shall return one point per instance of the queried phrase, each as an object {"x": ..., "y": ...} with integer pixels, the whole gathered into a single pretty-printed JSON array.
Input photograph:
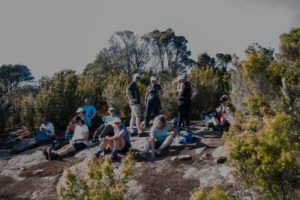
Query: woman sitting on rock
[
  {"x": 120, "y": 143},
  {"x": 78, "y": 141},
  {"x": 220, "y": 120},
  {"x": 159, "y": 139}
]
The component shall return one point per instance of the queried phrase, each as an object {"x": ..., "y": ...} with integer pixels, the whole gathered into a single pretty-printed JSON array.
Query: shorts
[
  {"x": 136, "y": 110},
  {"x": 125, "y": 149},
  {"x": 79, "y": 145}
]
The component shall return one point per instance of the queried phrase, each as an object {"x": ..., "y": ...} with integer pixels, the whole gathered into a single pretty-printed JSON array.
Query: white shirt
[
  {"x": 48, "y": 128},
  {"x": 80, "y": 133}
]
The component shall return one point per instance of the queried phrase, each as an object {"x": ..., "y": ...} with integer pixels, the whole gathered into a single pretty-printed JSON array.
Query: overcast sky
[{"x": 48, "y": 36}]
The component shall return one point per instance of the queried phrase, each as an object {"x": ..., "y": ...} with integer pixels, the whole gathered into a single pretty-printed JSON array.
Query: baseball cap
[
  {"x": 117, "y": 120},
  {"x": 111, "y": 108},
  {"x": 79, "y": 110},
  {"x": 153, "y": 78}
]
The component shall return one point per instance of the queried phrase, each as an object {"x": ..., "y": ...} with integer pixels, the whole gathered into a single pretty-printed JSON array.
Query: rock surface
[{"x": 171, "y": 176}]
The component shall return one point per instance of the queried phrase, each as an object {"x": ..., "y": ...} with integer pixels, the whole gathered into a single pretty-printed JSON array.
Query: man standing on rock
[
  {"x": 134, "y": 98},
  {"x": 185, "y": 93}
]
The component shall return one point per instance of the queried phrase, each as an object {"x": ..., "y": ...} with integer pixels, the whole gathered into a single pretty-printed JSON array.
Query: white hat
[
  {"x": 136, "y": 75},
  {"x": 153, "y": 78},
  {"x": 79, "y": 110},
  {"x": 117, "y": 120},
  {"x": 111, "y": 108}
]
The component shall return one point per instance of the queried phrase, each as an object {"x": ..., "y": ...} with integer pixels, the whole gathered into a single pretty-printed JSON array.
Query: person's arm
[
  {"x": 181, "y": 89},
  {"x": 118, "y": 136},
  {"x": 146, "y": 96},
  {"x": 194, "y": 91},
  {"x": 94, "y": 112}
]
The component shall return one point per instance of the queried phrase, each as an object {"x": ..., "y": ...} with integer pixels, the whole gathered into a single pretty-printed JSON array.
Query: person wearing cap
[
  {"x": 78, "y": 141},
  {"x": 106, "y": 128},
  {"x": 185, "y": 93},
  {"x": 134, "y": 98},
  {"x": 81, "y": 112},
  {"x": 120, "y": 143},
  {"x": 89, "y": 111},
  {"x": 152, "y": 100}
]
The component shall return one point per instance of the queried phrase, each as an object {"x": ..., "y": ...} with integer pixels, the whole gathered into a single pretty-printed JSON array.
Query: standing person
[
  {"x": 90, "y": 110},
  {"x": 185, "y": 93},
  {"x": 134, "y": 98},
  {"x": 78, "y": 141},
  {"x": 152, "y": 100}
]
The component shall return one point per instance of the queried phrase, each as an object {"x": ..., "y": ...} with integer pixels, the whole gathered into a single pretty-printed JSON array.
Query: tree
[
  {"x": 223, "y": 60},
  {"x": 58, "y": 100},
  {"x": 12, "y": 75},
  {"x": 290, "y": 45},
  {"x": 204, "y": 60},
  {"x": 129, "y": 52},
  {"x": 169, "y": 50}
]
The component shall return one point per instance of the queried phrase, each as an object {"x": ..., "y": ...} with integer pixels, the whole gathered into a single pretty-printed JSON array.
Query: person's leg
[
  {"x": 148, "y": 112},
  {"x": 180, "y": 114},
  {"x": 166, "y": 143},
  {"x": 132, "y": 119},
  {"x": 155, "y": 109},
  {"x": 65, "y": 150},
  {"x": 138, "y": 118},
  {"x": 118, "y": 145},
  {"x": 103, "y": 145},
  {"x": 187, "y": 109}
]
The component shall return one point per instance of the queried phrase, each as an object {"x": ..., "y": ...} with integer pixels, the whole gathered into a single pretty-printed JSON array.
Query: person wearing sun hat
[
  {"x": 152, "y": 100},
  {"x": 120, "y": 143},
  {"x": 185, "y": 93}
]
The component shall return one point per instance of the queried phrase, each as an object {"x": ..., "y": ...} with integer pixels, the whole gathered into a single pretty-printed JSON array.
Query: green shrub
[
  {"x": 266, "y": 158},
  {"x": 58, "y": 99},
  {"x": 217, "y": 193},
  {"x": 100, "y": 181},
  {"x": 28, "y": 112}
]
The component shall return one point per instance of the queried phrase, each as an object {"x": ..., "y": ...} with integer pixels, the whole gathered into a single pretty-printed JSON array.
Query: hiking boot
[
  {"x": 45, "y": 153},
  {"x": 140, "y": 156},
  {"x": 98, "y": 154},
  {"x": 115, "y": 158}
]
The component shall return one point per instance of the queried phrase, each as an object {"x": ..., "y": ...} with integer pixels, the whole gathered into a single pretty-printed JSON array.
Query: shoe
[
  {"x": 98, "y": 153},
  {"x": 158, "y": 153},
  {"x": 46, "y": 154},
  {"x": 115, "y": 158},
  {"x": 140, "y": 156}
]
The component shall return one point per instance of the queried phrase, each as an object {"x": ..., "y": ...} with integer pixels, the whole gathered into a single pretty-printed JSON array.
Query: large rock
[
  {"x": 220, "y": 174},
  {"x": 219, "y": 155}
]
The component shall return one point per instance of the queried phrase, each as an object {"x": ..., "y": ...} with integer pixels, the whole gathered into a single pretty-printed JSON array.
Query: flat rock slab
[
  {"x": 181, "y": 158},
  {"x": 220, "y": 174},
  {"x": 219, "y": 152}
]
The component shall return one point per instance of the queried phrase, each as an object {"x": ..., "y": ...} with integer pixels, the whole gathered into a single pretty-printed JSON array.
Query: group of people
[{"x": 114, "y": 137}]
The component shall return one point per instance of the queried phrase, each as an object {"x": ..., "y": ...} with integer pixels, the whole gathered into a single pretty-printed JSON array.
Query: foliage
[
  {"x": 170, "y": 51},
  {"x": 290, "y": 45},
  {"x": 12, "y": 75},
  {"x": 100, "y": 182},
  {"x": 58, "y": 99},
  {"x": 217, "y": 193},
  {"x": 115, "y": 93},
  {"x": 265, "y": 156},
  {"x": 28, "y": 112},
  {"x": 211, "y": 85},
  {"x": 204, "y": 60},
  {"x": 169, "y": 100}
]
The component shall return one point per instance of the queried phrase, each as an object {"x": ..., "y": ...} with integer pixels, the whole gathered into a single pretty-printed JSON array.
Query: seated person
[
  {"x": 119, "y": 143},
  {"x": 160, "y": 139},
  {"x": 46, "y": 131},
  {"x": 78, "y": 141},
  {"x": 219, "y": 118},
  {"x": 107, "y": 128}
]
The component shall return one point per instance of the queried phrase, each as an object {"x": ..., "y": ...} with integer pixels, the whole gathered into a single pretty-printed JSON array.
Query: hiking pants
[
  {"x": 184, "y": 107},
  {"x": 151, "y": 107}
]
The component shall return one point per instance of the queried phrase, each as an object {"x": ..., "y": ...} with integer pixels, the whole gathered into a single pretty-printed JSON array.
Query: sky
[{"x": 52, "y": 35}]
